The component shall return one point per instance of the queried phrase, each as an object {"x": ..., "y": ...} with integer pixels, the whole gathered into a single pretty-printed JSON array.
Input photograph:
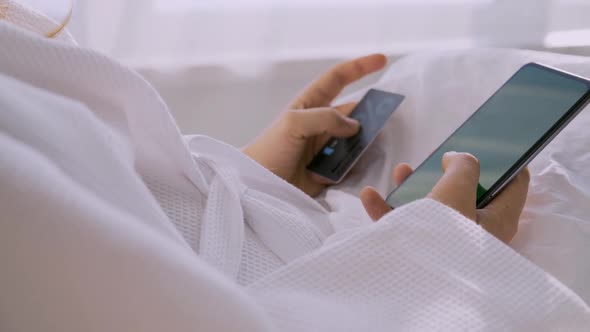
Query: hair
[
  {"x": 61, "y": 26},
  {"x": 52, "y": 34},
  {"x": 3, "y": 8}
]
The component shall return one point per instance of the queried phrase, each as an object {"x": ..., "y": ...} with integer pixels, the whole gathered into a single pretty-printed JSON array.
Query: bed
[{"x": 442, "y": 89}]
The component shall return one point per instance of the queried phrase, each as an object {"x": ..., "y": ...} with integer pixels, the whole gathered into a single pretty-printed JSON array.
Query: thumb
[
  {"x": 319, "y": 121},
  {"x": 457, "y": 188}
]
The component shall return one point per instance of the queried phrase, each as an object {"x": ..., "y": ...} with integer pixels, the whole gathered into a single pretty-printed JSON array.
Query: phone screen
[
  {"x": 506, "y": 128},
  {"x": 339, "y": 154}
]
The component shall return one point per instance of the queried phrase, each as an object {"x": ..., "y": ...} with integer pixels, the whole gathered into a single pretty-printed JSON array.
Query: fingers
[
  {"x": 323, "y": 91},
  {"x": 500, "y": 217},
  {"x": 512, "y": 198},
  {"x": 346, "y": 109},
  {"x": 318, "y": 121},
  {"x": 374, "y": 204},
  {"x": 320, "y": 179},
  {"x": 400, "y": 173},
  {"x": 457, "y": 188}
]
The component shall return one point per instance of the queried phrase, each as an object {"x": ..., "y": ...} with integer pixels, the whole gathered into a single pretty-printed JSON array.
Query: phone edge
[
  {"x": 349, "y": 168},
  {"x": 532, "y": 156}
]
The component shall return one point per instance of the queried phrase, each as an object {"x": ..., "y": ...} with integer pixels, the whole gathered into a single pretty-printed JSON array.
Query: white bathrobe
[{"x": 112, "y": 221}]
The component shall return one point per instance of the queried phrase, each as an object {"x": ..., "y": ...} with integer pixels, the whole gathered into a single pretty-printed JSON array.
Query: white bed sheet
[{"x": 442, "y": 89}]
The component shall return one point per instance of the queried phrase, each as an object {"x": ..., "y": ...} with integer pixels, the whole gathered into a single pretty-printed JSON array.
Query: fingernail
[
  {"x": 454, "y": 153},
  {"x": 352, "y": 122},
  {"x": 471, "y": 155},
  {"x": 450, "y": 153}
]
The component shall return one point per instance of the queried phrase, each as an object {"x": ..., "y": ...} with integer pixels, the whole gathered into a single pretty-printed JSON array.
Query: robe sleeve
[
  {"x": 70, "y": 262},
  {"x": 83, "y": 244},
  {"x": 422, "y": 267}
]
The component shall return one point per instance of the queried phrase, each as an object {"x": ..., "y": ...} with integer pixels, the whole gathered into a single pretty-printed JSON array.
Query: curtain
[{"x": 230, "y": 32}]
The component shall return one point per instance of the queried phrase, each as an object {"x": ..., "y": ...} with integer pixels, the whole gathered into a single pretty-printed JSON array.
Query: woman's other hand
[
  {"x": 457, "y": 189},
  {"x": 289, "y": 144}
]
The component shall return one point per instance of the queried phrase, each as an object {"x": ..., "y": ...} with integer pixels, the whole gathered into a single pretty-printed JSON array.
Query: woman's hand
[
  {"x": 289, "y": 144},
  {"x": 457, "y": 189}
]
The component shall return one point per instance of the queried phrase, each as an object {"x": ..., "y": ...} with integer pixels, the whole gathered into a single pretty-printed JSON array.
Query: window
[{"x": 220, "y": 32}]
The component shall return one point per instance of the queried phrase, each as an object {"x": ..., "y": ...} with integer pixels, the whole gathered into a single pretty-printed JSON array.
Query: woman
[{"x": 112, "y": 221}]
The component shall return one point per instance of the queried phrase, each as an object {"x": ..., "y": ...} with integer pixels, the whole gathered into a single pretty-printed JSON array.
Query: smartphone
[
  {"x": 506, "y": 132},
  {"x": 338, "y": 155}
]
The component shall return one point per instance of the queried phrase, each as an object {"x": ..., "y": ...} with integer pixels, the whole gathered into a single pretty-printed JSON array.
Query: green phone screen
[{"x": 502, "y": 130}]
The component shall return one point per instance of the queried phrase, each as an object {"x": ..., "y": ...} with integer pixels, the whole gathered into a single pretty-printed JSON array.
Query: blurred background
[{"x": 227, "y": 67}]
